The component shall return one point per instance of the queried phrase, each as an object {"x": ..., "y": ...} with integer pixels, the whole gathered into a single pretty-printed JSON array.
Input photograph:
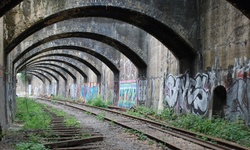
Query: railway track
[
  {"x": 171, "y": 137},
  {"x": 62, "y": 137}
]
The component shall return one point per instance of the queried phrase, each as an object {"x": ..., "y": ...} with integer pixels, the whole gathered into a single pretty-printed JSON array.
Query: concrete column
[
  {"x": 116, "y": 88},
  {"x": 2, "y": 79}
]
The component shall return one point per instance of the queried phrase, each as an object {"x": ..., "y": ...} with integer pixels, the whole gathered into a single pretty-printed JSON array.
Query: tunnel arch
[
  {"x": 97, "y": 72},
  {"x": 166, "y": 30},
  {"x": 59, "y": 61},
  {"x": 36, "y": 76},
  {"x": 57, "y": 66},
  {"x": 49, "y": 73},
  {"x": 53, "y": 70},
  {"x": 106, "y": 61},
  {"x": 42, "y": 70},
  {"x": 98, "y": 33},
  {"x": 33, "y": 71}
]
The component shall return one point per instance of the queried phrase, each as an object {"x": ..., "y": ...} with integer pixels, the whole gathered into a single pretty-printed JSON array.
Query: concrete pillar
[
  {"x": 2, "y": 79},
  {"x": 116, "y": 87}
]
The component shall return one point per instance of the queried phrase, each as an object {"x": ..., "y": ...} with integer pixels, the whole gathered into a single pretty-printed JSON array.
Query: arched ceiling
[
  {"x": 34, "y": 74},
  {"x": 37, "y": 72},
  {"x": 49, "y": 65},
  {"x": 47, "y": 68},
  {"x": 166, "y": 32},
  {"x": 70, "y": 64}
]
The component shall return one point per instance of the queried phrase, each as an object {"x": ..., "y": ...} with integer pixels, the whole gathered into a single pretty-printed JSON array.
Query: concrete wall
[{"x": 225, "y": 37}]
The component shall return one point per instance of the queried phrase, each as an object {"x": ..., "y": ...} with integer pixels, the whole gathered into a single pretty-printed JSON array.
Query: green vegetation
[
  {"x": 98, "y": 102},
  {"x": 24, "y": 77},
  {"x": 32, "y": 114},
  {"x": 100, "y": 116},
  {"x": 231, "y": 131},
  {"x": 58, "y": 97},
  {"x": 71, "y": 122},
  {"x": 30, "y": 146},
  {"x": 140, "y": 136}
]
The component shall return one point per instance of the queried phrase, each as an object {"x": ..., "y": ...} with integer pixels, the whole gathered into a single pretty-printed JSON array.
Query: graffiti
[
  {"x": 238, "y": 90},
  {"x": 89, "y": 91},
  {"x": 186, "y": 94},
  {"x": 142, "y": 84},
  {"x": 127, "y": 94}
]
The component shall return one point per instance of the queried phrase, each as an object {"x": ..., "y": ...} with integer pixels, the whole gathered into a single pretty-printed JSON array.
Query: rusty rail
[{"x": 162, "y": 127}]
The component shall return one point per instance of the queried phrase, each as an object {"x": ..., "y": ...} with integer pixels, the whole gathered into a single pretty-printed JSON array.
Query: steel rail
[{"x": 177, "y": 132}]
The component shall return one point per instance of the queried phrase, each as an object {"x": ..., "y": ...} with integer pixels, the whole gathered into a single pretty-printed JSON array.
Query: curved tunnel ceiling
[
  {"x": 163, "y": 33},
  {"x": 35, "y": 76},
  {"x": 46, "y": 77},
  {"x": 47, "y": 72},
  {"x": 36, "y": 60},
  {"x": 56, "y": 66},
  {"x": 82, "y": 49},
  {"x": 48, "y": 68},
  {"x": 97, "y": 72}
]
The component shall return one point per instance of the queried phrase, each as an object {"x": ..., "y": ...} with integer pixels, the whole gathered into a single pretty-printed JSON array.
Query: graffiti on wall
[
  {"x": 127, "y": 94},
  {"x": 89, "y": 91},
  {"x": 186, "y": 94},
  {"x": 142, "y": 84},
  {"x": 238, "y": 90}
]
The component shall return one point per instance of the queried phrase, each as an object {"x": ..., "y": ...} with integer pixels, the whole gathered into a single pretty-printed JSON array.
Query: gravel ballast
[{"x": 115, "y": 137}]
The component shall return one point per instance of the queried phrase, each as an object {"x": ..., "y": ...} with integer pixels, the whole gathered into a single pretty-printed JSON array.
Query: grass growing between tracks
[
  {"x": 98, "y": 102},
  {"x": 231, "y": 131},
  {"x": 69, "y": 121},
  {"x": 32, "y": 116}
]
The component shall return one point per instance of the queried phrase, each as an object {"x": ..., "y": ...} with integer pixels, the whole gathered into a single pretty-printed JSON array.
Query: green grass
[
  {"x": 232, "y": 131},
  {"x": 98, "y": 102},
  {"x": 30, "y": 146},
  {"x": 71, "y": 121},
  {"x": 32, "y": 114},
  {"x": 100, "y": 116}
]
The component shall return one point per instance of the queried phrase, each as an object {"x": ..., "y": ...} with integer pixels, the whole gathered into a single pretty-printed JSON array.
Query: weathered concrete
[
  {"x": 178, "y": 54},
  {"x": 164, "y": 26}
]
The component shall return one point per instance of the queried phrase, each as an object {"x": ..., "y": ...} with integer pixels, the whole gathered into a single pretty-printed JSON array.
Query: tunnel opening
[{"x": 219, "y": 101}]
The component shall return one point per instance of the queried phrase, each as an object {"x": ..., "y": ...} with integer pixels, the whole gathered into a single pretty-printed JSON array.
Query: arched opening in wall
[{"x": 219, "y": 101}]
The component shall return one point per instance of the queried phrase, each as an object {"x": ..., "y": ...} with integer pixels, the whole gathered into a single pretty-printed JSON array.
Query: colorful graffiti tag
[
  {"x": 186, "y": 94},
  {"x": 90, "y": 91},
  {"x": 127, "y": 94}
]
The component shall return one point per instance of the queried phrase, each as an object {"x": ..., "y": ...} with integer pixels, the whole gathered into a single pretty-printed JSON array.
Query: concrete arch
[
  {"x": 56, "y": 66},
  {"x": 96, "y": 71},
  {"x": 164, "y": 26},
  {"x": 33, "y": 61},
  {"x": 51, "y": 69},
  {"x": 6, "y": 5},
  {"x": 47, "y": 72},
  {"x": 41, "y": 75},
  {"x": 102, "y": 58},
  {"x": 85, "y": 59},
  {"x": 36, "y": 76},
  {"x": 72, "y": 28}
]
